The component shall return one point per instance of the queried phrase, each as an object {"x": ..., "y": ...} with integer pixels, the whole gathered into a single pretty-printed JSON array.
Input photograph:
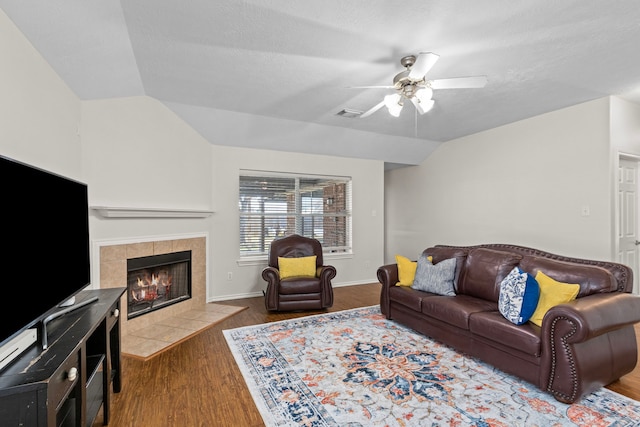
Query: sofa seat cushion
[
  {"x": 455, "y": 310},
  {"x": 407, "y": 296},
  {"x": 299, "y": 285},
  {"x": 493, "y": 326}
]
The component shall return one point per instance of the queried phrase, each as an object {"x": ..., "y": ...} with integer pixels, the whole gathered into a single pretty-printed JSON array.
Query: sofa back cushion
[
  {"x": 592, "y": 279},
  {"x": 483, "y": 272},
  {"x": 439, "y": 254}
]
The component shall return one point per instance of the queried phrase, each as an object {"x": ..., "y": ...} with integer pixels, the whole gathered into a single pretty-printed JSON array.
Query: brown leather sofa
[{"x": 581, "y": 346}]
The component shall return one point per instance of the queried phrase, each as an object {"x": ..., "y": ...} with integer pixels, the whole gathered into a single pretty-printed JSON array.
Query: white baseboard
[{"x": 259, "y": 293}]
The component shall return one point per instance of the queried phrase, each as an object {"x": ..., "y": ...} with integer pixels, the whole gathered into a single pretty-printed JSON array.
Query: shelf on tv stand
[{"x": 67, "y": 383}]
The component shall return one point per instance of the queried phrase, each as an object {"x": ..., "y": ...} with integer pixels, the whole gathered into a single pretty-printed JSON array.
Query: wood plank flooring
[{"x": 198, "y": 383}]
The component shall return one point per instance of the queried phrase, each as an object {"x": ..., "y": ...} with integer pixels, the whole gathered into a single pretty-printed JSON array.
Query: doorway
[{"x": 628, "y": 239}]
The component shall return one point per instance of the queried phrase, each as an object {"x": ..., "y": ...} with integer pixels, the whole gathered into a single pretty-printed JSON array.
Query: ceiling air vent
[{"x": 350, "y": 114}]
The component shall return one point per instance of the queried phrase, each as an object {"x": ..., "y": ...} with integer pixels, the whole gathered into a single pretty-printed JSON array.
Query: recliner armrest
[
  {"x": 326, "y": 272},
  {"x": 271, "y": 274}
]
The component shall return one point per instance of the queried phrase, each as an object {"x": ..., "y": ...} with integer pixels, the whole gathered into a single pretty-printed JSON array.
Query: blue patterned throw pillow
[{"x": 519, "y": 294}]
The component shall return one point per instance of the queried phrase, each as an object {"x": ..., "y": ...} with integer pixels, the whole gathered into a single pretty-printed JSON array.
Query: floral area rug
[{"x": 355, "y": 368}]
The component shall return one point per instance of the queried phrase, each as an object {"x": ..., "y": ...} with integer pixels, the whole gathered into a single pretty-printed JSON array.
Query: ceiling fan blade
[
  {"x": 423, "y": 64},
  {"x": 372, "y": 110},
  {"x": 459, "y": 83}
]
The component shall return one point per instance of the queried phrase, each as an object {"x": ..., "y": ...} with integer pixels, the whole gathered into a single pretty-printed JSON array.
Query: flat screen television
[{"x": 45, "y": 259}]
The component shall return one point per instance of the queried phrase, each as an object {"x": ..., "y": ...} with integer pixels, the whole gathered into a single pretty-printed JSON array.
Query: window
[{"x": 273, "y": 205}]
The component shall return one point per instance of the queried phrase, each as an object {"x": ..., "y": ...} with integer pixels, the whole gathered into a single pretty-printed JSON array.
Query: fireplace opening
[{"x": 157, "y": 281}]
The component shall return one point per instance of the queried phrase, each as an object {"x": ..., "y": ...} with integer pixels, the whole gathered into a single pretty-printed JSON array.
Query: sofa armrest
[
  {"x": 597, "y": 314},
  {"x": 588, "y": 343},
  {"x": 388, "y": 274},
  {"x": 388, "y": 277}
]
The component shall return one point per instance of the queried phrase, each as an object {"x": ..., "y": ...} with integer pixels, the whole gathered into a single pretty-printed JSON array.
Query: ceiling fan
[{"x": 412, "y": 84}]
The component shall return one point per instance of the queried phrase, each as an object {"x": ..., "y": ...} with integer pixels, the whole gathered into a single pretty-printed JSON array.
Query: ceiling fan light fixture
[
  {"x": 424, "y": 94},
  {"x": 412, "y": 84},
  {"x": 425, "y": 105},
  {"x": 395, "y": 110},
  {"x": 393, "y": 104}
]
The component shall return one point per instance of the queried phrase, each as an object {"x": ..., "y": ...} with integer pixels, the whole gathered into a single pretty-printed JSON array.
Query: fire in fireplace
[{"x": 156, "y": 281}]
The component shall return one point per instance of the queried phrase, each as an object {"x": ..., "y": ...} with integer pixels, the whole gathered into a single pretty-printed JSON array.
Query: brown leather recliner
[{"x": 297, "y": 293}]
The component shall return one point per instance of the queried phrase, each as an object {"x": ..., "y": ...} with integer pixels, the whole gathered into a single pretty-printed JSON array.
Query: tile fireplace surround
[{"x": 113, "y": 274}]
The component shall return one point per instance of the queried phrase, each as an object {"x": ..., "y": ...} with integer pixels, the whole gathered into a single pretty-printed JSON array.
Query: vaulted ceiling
[{"x": 298, "y": 60}]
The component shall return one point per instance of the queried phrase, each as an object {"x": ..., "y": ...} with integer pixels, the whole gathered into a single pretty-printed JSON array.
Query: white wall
[
  {"x": 368, "y": 221},
  {"x": 39, "y": 115},
  {"x": 625, "y": 126},
  {"x": 524, "y": 183},
  {"x": 139, "y": 154},
  {"x": 135, "y": 152}
]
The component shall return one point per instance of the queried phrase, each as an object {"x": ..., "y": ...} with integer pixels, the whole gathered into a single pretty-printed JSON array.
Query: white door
[{"x": 628, "y": 217}]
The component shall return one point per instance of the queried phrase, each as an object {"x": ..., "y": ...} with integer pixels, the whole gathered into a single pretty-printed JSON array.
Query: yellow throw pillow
[
  {"x": 296, "y": 267},
  {"x": 552, "y": 293},
  {"x": 406, "y": 270}
]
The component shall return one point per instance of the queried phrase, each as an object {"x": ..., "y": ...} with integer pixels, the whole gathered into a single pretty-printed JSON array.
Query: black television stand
[
  {"x": 69, "y": 382},
  {"x": 62, "y": 312}
]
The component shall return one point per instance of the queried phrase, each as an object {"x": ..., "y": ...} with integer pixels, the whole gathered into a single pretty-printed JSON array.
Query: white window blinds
[{"x": 274, "y": 205}]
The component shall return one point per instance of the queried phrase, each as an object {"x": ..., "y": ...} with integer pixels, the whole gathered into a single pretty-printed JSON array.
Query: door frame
[{"x": 616, "y": 231}]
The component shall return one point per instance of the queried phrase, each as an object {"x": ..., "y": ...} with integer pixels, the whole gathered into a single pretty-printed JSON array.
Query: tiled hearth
[{"x": 173, "y": 322}]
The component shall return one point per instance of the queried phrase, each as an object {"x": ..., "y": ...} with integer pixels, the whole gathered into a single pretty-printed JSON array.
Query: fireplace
[{"x": 156, "y": 281}]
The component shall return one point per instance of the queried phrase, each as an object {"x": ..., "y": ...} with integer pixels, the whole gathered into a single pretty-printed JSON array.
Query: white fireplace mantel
[{"x": 132, "y": 212}]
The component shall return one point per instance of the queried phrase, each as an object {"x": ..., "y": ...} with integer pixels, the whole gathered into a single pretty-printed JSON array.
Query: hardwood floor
[{"x": 198, "y": 383}]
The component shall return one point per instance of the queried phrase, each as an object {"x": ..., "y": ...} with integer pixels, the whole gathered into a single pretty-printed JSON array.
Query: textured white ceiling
[{"x": 296, "y": 60}]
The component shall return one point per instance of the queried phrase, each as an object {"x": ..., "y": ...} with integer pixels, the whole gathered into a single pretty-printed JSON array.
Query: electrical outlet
[{"x": 229, "y": 276}]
